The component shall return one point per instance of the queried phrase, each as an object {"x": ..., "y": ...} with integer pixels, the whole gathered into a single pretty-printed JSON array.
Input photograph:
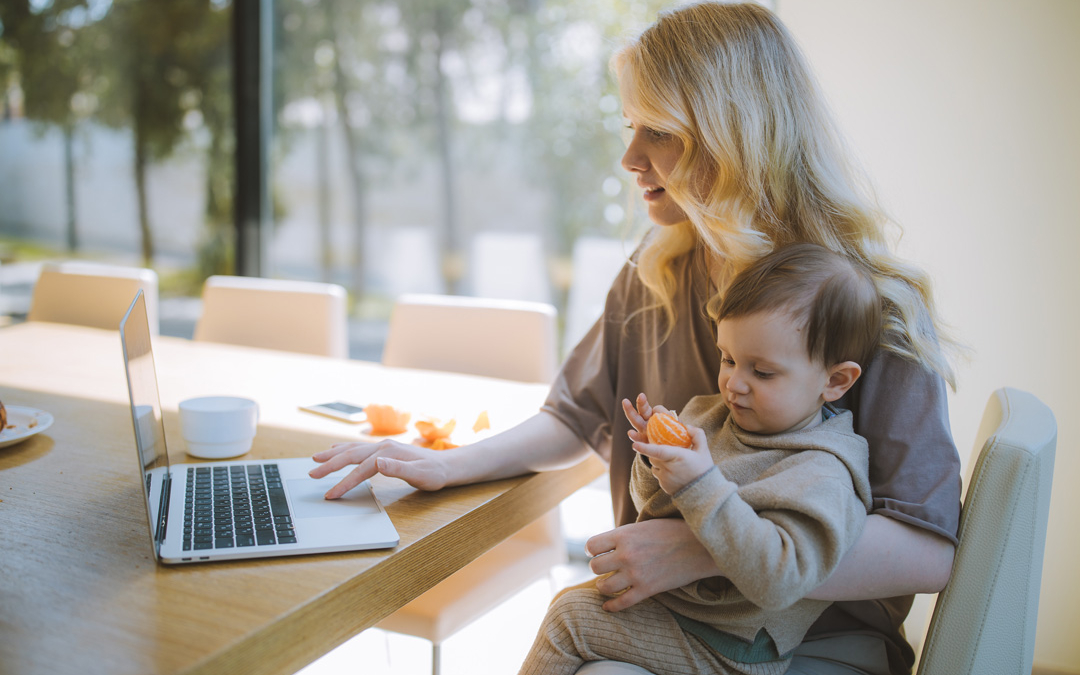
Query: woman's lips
[{"x": 653, "y": 193}]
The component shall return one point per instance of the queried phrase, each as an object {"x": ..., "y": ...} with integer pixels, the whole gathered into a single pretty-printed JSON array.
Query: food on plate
[
  {"x": 430, "y": 429},
  {"x": 3, "y": 416},
  {"x": 666, "y": 429},
  {"x": 482, "y": 422},
  {"x": 386, "y": 420}
]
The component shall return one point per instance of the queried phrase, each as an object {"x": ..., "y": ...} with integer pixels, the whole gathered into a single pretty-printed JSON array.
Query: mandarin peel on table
[
  {"x": 666, "y": 429},
  {"x": 431, "y": 430},
  {"x": 386, "y": 420},
  {"x": 482, "y": 422}
]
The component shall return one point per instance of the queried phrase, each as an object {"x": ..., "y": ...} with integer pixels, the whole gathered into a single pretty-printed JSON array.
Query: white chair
[
  {"x": 509, "y": 265},
  {"x": 496, "y": 338},
  {"x": 510, "y": 339},
  {"x": 984, "y": 621},
  {"x": 297, "y": 316},
  {"x": 596, "y": 262},
  {"x": 91, "y": 294}
]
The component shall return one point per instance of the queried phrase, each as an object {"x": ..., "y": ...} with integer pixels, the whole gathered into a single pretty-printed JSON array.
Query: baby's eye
[
  {"x": 762, "y": 375},
  {"x": 726, "y": 361}
]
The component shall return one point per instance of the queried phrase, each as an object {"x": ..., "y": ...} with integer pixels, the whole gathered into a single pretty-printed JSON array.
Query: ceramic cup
[{"x": 217, "y": 427}]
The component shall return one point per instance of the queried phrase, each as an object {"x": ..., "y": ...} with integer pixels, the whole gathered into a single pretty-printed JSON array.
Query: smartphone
[{"x": 339, "y": 410}]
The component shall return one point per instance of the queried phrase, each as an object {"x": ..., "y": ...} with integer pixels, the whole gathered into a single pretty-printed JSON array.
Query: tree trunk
[
  {"x": 353, "y": 153},
  {"x": 140, "y": 189},
  {"x": 69, "y": 187},
  {"x": 451, "y": 253},
  {"x": 322, "y": 170}
]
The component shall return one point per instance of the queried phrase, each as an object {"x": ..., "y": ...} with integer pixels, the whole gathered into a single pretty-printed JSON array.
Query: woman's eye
[{"x": 657, "y": 135}]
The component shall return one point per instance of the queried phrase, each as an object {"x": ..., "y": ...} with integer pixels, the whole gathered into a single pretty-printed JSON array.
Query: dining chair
[
  {"x": 91, "y": 294},
  {"x": 984, "y": 620},
  {"x": 509, "y": 339},
  {"x": 296, "y": 316},
  {"x": 513, "y": 340}
]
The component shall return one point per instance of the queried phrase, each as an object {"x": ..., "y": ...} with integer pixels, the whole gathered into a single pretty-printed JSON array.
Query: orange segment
[
  {"x": 430, "y": 430},
  {"x": 482, "y": 422},
  {"x": 386, "y": 420},
  {"x": 666, "y": 429}
]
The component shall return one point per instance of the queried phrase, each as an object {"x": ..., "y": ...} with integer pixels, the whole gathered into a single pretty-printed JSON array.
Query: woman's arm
[
  {"x": 889, "y": 559},
  {"x": 540, "y": 443}
]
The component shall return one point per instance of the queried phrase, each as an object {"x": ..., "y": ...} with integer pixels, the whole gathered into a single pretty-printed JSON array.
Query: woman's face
[{"x": 651, "y": 156}]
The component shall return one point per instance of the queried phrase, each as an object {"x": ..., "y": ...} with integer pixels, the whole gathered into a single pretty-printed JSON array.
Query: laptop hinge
[{"x": 163, "y": 508}]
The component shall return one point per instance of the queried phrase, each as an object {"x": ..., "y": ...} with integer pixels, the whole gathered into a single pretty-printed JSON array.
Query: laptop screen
[{"x": 146, "y": 414}]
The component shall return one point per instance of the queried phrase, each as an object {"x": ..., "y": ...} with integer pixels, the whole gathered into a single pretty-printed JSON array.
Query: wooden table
[{"x": 80, "y": 591}]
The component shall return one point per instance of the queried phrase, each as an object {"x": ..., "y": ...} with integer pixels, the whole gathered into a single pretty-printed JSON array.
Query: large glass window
[
  {"x": 116, "y": 137},
  {"x": 449, "y": 146}
]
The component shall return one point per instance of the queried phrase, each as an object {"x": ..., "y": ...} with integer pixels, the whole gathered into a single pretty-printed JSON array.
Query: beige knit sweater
[{"x": 776, "y": 514}]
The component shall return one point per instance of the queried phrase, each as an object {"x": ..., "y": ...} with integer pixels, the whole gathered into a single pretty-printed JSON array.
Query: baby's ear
[{"x": 841, "y": 377}]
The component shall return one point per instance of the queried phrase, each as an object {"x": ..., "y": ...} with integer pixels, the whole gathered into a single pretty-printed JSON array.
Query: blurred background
[{"x": 472, "y": 147}]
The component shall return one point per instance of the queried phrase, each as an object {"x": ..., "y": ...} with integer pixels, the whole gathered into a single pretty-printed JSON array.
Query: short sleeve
[{"x": 901, "y": 409}]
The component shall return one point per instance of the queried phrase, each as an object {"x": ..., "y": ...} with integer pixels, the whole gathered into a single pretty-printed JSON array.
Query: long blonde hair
[{"x": 729, "y": 81}]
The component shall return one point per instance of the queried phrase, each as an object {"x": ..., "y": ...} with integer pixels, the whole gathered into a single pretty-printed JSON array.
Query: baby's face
[{"x": 766, "y": 375}]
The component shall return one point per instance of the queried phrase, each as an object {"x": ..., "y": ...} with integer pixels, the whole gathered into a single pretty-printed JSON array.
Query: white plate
[{"x": 22, "y": 423}]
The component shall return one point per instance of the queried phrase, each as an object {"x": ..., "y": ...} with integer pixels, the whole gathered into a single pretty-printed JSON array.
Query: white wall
[{"x": 967, "y": 116}]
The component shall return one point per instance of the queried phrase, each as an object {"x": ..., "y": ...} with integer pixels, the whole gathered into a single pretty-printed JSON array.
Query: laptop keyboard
[{"x": 235, "y": 506}]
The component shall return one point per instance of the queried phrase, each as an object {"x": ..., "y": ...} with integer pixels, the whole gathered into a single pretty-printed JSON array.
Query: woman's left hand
[{"x": 646, "y": 558}]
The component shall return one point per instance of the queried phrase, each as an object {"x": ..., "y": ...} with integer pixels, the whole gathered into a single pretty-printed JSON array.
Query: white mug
[{"x": 217, "y": 427}]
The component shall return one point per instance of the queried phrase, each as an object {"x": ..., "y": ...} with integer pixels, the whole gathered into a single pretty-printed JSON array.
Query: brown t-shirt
[{"x": 899, "y": 407}]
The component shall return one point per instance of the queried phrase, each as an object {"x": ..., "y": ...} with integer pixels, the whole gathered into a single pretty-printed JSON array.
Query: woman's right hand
[{"x": 421, "y": 468}]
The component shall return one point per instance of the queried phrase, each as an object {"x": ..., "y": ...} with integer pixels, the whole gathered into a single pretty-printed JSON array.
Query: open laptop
[{"x": 230, "y": 510}]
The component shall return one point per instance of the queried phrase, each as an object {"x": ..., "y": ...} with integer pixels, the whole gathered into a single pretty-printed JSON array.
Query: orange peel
[
  {"x": 431, "y": 430},
  {"x": 482, "y": 422},
  {"x": 386, "y": 420}
]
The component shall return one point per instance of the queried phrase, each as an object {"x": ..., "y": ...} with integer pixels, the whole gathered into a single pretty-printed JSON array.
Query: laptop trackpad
[{"x": 307, "y": 499}]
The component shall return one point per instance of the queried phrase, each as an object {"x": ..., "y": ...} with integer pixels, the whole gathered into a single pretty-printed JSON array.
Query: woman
[{"x": 736, "y": 154}]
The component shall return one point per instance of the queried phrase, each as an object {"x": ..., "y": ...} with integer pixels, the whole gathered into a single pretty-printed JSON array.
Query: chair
[
  {"x": 509, "y": 265},
  {"x": 296, "y": 316},
  {"x": 510, "y": 339},
  {"x": 984, "y": 619},
  {"x": 495, "y": 338},
  {"x": 91, "y": 294},
  {"x": 596, "y": 263}
]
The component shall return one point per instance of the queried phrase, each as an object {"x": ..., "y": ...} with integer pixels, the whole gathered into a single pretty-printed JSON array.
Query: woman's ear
[{"x": 841, "y": 377}]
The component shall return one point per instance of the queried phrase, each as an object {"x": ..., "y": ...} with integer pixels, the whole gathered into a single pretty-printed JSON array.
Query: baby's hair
[{"x": 831, "y": 297}]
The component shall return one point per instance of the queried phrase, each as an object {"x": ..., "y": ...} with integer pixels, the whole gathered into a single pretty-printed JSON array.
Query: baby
[{"x": 774, "y": 483}]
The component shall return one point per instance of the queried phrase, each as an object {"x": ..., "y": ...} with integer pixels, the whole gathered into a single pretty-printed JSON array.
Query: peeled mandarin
[
  {"x": 386, "y": 420},
  {"x": 666, "y": 429}
]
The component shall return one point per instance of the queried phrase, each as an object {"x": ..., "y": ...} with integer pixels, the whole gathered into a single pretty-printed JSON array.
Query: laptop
[{"x": 234, "y": 510}]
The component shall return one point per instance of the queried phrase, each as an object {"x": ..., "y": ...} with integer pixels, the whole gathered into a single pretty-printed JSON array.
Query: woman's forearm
[
  {"x": 540, "y": 443},
  {"x": 890, "y": 558}
]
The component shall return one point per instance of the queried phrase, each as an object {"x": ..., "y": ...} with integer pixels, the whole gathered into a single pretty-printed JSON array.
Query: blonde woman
[{"x": 735, "y": 154}]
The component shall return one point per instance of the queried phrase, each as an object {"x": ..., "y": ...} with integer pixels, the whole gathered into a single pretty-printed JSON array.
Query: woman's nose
[{"x": 633, "y": 159}]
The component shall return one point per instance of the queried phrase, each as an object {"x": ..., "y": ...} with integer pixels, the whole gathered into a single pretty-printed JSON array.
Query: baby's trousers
[{"x": 576, "y": 629}]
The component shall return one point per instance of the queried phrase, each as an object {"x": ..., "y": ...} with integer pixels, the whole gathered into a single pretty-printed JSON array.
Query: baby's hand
[
  {"x": 676, "y": 467},
  {"x": 638, "y": 417}
]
